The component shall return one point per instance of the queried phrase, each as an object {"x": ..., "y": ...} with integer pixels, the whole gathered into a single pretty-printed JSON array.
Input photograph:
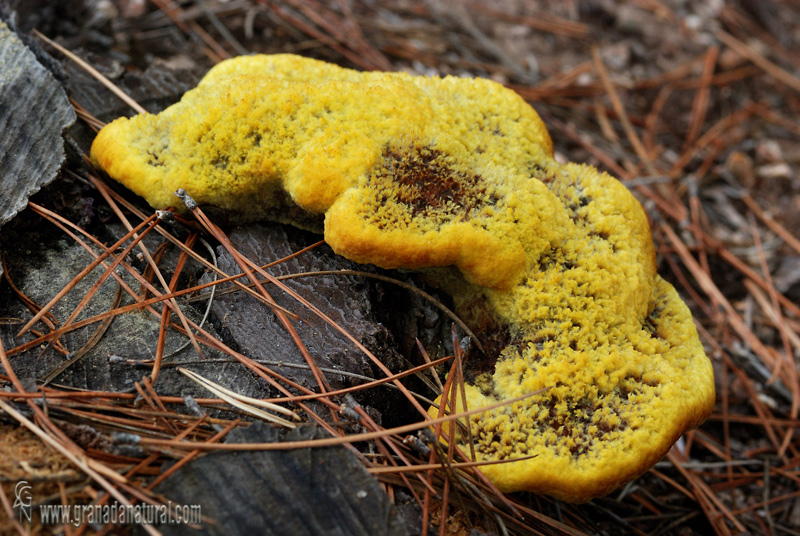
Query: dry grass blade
[
  {"x": 245, "y": 403},
  {"x": 331, "y": 441}
]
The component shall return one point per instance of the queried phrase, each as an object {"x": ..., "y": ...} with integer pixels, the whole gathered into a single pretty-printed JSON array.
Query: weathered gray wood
[
  {"x": 34, "y": 111},
  {"x": 47, "y": 262},
  {"x": 323, "y": 491},
  {"x": 346, "y": 299}
]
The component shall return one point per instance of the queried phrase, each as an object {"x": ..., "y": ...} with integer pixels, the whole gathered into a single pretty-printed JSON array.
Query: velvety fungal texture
[{"x": 554, "y": 263}]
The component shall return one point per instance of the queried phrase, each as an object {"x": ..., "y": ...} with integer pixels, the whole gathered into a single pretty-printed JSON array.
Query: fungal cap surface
[
  {"x": 608, "y": 411},
  {"x": 262, "y": 133}
]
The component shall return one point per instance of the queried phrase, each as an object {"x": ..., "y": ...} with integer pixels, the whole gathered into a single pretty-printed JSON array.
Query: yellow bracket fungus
[{"x": 554, "y": 263}]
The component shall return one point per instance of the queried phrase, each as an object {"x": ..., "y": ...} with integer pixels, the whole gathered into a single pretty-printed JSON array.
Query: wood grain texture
[
  {"x": 346, "y": 299},
  {"x": 34, "y": 111},
  {"x": 323, "y": 491}
]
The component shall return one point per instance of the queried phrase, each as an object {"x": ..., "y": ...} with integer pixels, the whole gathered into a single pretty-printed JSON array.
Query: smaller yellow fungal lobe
[
  {"x": 555, "y": 263},
  {"x": 609, "y": 410}
]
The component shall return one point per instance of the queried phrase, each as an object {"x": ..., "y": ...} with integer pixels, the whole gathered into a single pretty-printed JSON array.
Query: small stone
[
  {"x": 769, "y": 152},
  {"x": 617, "y": 56},
  {"x": 630, "y": 19},
  {"x": 775, "y": 171},
  {"x": 741, "y": 167}
]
